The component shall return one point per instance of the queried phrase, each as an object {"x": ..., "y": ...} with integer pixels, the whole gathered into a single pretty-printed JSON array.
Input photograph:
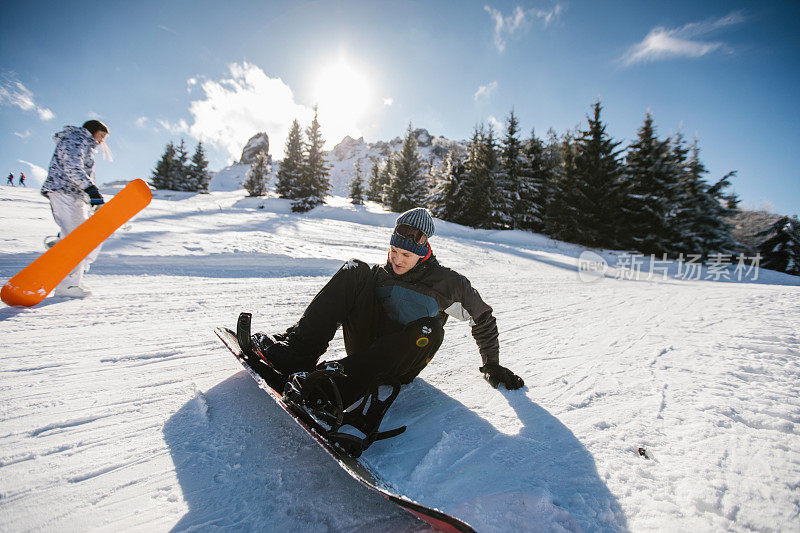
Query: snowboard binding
[
  {"x": 243, "y": 334},
  {"x": 351, "y": 428},
  {"x": 253, "y": 345},
  {"x": 319, "y": 394},
  {"x": 259, "y": 348}
]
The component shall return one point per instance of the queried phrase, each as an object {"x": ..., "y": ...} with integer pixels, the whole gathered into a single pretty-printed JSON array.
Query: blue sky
[{"x": 157, "y": 71}]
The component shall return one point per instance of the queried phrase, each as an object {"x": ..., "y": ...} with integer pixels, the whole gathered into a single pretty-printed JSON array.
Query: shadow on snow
[
  {"x": 242, "y": 463},
  {"x": 221, "y": 265}
]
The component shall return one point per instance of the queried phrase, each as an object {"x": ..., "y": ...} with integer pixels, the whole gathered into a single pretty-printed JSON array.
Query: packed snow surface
[{"x": 123, "y": 411}]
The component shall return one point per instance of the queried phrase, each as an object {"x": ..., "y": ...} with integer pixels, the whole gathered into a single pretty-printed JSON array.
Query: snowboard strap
[
  {"x": 366, "y": 417},
  {"x": 318, "y": 393}
]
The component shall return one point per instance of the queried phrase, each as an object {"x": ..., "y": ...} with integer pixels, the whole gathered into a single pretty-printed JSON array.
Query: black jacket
[
  {"x": 371, "y": 302},
  {"x": 430, "y": 289}
]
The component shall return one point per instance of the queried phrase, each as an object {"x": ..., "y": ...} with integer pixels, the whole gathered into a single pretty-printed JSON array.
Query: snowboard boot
[
  {"x": 318, "y": 393},
  {"x": 276, "y": 352},
  {"x": 51, "y": 241},
  {"x": 72, "y": 291},
  {"x": 259, "y": 342}
]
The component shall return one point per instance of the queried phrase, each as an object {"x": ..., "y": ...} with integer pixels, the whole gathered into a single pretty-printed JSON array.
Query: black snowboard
[{"x": 273, "y": 382}]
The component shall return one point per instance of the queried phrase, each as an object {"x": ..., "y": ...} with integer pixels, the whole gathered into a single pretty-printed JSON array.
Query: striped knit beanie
[{"x": 416, "y": 218}]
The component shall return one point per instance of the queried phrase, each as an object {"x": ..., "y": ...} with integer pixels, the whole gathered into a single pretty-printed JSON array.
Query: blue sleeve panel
[{"x": 405, "y": 305}]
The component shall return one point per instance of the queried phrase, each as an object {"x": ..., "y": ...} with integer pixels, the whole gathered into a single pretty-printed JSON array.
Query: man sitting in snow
[{"x": 392, "y": 316}]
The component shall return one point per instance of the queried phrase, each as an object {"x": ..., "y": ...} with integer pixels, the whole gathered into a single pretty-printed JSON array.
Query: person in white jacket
[{"x": 71, "y": 190}]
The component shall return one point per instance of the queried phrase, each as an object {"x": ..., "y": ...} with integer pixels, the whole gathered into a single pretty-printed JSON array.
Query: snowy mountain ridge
[
  {"x": 341, "y": 159},
  {"x": 123, "y": 411}
]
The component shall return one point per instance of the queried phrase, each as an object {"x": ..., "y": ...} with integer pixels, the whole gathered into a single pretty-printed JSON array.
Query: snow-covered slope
[{"x": 123, "y": 411}]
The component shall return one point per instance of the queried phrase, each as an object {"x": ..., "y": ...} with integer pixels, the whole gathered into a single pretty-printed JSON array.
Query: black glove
[
  {"x": 496, "y": 374},
  {"x": 95, "y": 198}
]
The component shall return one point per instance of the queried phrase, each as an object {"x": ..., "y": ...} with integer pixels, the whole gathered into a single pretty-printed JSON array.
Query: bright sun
[{"x": 344, "y": 95}]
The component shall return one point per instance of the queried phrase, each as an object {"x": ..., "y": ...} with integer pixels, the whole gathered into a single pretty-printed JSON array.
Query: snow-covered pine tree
[
  {"x": 387, "y": 171},
  {"x": 508, "y": 180},
  {"x": 553, "y": 155},
  {"x": 650, "y": 193},
  {"x": 197, "y": 176},
  {"x": 429, "y": 169},
  {"x": 728, "y": 199},
  {"x": 679, "y": 156},
  {"x": 533, "y": 185},
  {"x": 725, "y": 205},
  {"x": 704, "y": 229},
  {"x": 781, "y": 249},
  {"x": 597, "y": 182},
  {"x": 357, "y": 184},
  {"x": 563, "y": 221},
  {"x": 314, "y": 184},
  {"x": 258, "y": 175},
  {"x": 291, "y": 170},
  {"x": 374, "y": 184},
  {"x": 474, "y": 189},
  {"x": 492, "y": 177},
  {"x": 444, "y": 201},
  {"x": 407, "y": 188},
  {"x": 182, "y": 169},
  {"x": 165, "y": 171}
]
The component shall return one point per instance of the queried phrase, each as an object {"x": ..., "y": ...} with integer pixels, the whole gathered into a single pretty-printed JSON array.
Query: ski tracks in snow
[
  {"x": 682, "y": 372},
  {"x": 122, "y": 411}
]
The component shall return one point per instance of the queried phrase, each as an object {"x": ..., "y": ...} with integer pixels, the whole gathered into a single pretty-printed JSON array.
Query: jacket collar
[{"x": 418, "y": 272}]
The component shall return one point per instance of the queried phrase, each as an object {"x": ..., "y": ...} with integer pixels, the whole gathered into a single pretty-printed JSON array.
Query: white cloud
[
  {"x": 233, "y": 109},
  {"x": 14, "y": 93},
  {"x": 175, "y": 127},
  {"x": 519, "y": 21},
  {"x": 22, "y": 135},
  {"x": 44, "y": 113},
  {"x": 485, "y": 92},
  {"x": 36, "y": 172},
  {"x": 388, "y": 101},
  {"x": 662, "y": 43},
  {"x": 496, "y": 124},
  {"x": 141, "y": 122}
]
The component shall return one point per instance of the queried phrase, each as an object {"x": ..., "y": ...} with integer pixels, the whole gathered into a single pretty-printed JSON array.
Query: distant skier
[
  {"x": 22, "y": 179},
  {"x": 10, "y": 180},
  {"x": 70, "y": 188},
  {"x": 393, "y": 317}
]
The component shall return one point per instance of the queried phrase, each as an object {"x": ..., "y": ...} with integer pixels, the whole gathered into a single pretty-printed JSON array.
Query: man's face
[
  {"x": 402, "y": 260},
  {"x": 100, "y": 136}
]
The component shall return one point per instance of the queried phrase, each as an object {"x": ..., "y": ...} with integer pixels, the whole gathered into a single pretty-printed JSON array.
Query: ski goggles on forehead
[{"x": 410, "y": 232}]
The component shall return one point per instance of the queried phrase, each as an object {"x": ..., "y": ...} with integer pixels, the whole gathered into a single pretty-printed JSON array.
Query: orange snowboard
[{"x": 34, "y": 282}]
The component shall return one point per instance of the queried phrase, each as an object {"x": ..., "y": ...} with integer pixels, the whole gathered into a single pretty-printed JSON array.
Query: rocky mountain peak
[
  {"x": 347, "y": 148},
  {"x": 424, "y": 138},
  {"x": 257, "y": 143}
]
